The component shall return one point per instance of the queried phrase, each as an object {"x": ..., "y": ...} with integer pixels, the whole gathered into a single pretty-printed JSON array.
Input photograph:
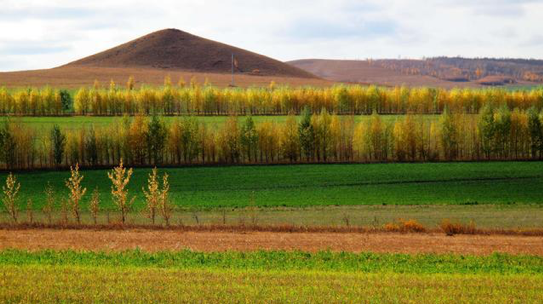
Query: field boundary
[
  {"x": 62, "y": 168},
  {"x": 536, "y": 232}
]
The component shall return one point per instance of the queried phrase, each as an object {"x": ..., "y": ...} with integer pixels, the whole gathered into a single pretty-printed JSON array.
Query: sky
[{"x": 44, "y": 34}]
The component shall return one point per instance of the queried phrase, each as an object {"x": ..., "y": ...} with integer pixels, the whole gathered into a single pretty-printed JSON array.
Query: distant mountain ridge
[{"x": 439, "y": 71}]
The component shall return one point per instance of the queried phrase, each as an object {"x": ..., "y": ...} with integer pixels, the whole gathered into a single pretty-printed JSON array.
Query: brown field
[
  {"x": 75, "y": 77},
  {"x": 36, "y": 239}
]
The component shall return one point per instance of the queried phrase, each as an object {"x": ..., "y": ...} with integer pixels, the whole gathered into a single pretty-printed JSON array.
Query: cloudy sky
[{"x": 42, "y": 34}]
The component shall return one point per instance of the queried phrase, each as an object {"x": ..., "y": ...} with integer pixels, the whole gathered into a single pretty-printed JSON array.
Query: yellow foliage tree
[{"x": 120, "y": 177}]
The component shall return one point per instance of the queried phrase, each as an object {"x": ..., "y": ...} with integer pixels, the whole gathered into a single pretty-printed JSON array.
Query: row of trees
[
  {"x": 208, "y": 100},
  {"x": 35, "y": 102},
  {"x": 156, "y": 196},
  {"x": 495, "y": 133}
]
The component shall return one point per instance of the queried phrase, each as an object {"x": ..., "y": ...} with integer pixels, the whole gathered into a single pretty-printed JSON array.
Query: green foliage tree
[
  {"x": 155, "y": 139},
  {"x": 306, "y": 133},
  {"x": 502, "y": 127},
  {"x": 343, "y": 100},
  {"x": 535, "y": 129},
  {"x": 323, "y": 134},
  {"x": 249, "y": 139},
  {"x": 8, "y": 145},
  {"x": 66, "y": 100},
  {"x": 91, "y": 147},
  {"x": 58, "y": 140},
  {"x": 448, "y": 135},
  {"x": 189, "y": 139},
  {"x": 487, "y": 130}
]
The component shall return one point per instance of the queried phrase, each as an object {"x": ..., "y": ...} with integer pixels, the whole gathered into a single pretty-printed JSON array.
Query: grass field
[
  {"x": 493, "y": 194},
  {"x": 186, "y": 276},
  {"x": 322, "y": 185},
  {"x": 485, "y": 216}
]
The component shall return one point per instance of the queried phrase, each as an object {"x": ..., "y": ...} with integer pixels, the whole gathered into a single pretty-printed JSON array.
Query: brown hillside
[
  {"x": 362, "y": 71},
  {"x": 77, "y": 76},
  {"x": 177, "y": 50}
]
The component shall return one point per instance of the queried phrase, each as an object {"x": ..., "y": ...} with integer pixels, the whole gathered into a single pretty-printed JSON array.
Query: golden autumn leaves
[{"x": 156, "y": 196}]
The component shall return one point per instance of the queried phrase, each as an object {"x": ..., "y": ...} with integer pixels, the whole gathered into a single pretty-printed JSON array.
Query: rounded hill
[{"x": 178, "y": 50}]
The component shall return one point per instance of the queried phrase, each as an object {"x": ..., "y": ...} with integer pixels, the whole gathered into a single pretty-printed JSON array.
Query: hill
[
  {"x": 362, "y": 71},
  {"x": 178, "y": 50},
  {"x": 438, "y": 72},
  {"x": 164, "y": 53}
]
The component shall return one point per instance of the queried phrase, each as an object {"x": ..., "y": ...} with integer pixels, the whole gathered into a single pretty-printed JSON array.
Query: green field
[
  {"x": 322, "y": 185},
  {"x": 285, "y": 277},
  {"x": 493, "y": 194}
]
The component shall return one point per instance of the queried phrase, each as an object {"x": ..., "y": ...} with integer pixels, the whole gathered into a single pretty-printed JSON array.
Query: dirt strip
[{"x": 36, "y": 239}]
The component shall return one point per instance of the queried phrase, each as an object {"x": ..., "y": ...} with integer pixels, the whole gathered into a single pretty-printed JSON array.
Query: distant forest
[{"x": 487, "y": 71}]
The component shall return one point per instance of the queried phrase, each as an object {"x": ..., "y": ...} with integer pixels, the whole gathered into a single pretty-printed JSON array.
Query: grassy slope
[{"x": 267, "y": 276}]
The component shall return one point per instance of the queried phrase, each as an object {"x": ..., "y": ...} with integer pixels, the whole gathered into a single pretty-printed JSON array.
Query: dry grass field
[
  {"x": 212, "y": 241},
  {"x": 77, "y": 76}
]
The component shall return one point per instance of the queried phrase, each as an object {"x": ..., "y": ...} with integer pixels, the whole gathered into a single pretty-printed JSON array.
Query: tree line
[
  {"x": 494, "y": 133},
  {"x": 196, "y": 99}
]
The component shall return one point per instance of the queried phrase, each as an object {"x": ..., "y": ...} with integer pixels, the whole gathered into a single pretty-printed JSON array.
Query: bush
[
  {"x": 451, "y": 228},
  {"x": 404, "y": 226}
]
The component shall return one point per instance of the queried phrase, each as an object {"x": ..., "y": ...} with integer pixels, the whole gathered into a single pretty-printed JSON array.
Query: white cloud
[{"x": 42, "y": 34}]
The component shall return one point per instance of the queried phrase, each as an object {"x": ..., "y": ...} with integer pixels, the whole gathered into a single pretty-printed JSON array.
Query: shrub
[
  {"x": 404, "y": 226},
  {"x": 11, "y": 189},
  {"x": 166, "y": 209},
  {"x": 94, "y": 206},
  {"x": 451, "y": 228},
  {"x": 76, "y": 192},
  {"x": 49, "y": 202},
  {"x": 152, "y": 195},
  {"x": 64, "y": 211},
  {"x": 120, "y": 177},
  {"x": 29, "y": 211}
]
